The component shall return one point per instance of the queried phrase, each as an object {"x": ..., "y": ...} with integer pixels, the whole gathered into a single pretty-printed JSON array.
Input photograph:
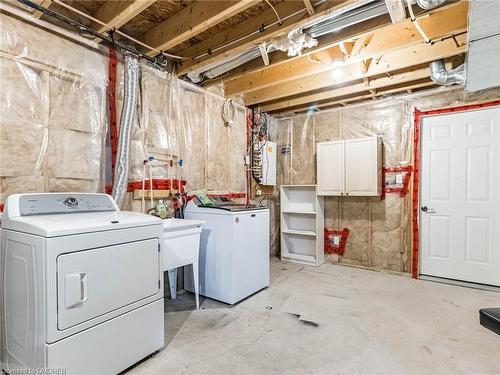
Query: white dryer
[
  {"x": 234, "y": 250},
  {"x": 82, "y": 284}
]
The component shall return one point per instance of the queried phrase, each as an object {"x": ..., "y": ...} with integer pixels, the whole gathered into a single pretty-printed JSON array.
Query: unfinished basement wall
[
  {"x": 380, "y": 229},
  {"x": 54, "y": 121},
  {"x": 52, "y": 111}
]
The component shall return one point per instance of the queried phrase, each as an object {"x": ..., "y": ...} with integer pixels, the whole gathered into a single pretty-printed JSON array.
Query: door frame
[{"x": 418, "y": 115}]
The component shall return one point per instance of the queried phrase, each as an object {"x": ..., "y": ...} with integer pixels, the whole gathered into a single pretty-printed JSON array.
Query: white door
[
  {"x": 330, "y": 167},
  {"x": 460, "y": 196},
  {"x": 361, "y": 167}
]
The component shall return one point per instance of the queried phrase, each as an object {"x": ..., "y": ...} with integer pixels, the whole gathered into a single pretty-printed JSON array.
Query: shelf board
[
  {"x": 298, "y": 186},
  {"x": 299, "y": 212},
  {"x": 300, "y": 257},
  {"x": 300, "y": 232}
]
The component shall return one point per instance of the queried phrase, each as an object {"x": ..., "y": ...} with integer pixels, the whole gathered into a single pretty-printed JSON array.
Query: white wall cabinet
[
  {"x": 302, "y": 224},
  {"x": 350, "y": 167}
]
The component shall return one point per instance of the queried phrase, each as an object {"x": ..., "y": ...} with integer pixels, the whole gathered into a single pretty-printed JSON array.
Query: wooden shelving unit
[{"x": 302, "y": 225}]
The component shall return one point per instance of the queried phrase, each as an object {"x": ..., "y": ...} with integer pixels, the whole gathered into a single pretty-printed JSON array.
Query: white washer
[
  {"x": 234, "y": 251},
  {"x": 82, "y": 284}
]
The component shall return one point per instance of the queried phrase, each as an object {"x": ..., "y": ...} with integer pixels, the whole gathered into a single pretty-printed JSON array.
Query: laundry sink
[
  {"x": 181, "y": 242},
  {"x": 181, "y": 247}
]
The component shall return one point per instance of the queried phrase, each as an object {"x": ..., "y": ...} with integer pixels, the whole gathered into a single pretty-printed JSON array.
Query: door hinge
[{"x": 158, "y": 247}]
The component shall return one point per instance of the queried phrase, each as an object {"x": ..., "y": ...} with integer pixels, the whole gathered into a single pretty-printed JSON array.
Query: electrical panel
[{"x": 268, "y": 152}]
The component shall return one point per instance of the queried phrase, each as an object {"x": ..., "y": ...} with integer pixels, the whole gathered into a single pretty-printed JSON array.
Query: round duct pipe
[
  {"x": 429, "y": 4},
  {"x": 131, "y": 84},
  {"x": 441, "y": 76}
]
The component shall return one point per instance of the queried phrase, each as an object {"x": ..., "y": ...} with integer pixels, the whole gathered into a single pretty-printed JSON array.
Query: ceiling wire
[
  {"x": 275, "y": 12},
  {"x": 84, "y": 28},
  {"x": 116, "y": 31}
]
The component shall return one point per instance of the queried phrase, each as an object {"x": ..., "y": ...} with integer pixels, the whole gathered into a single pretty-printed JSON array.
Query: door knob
[{"x": 428, "y": 210}]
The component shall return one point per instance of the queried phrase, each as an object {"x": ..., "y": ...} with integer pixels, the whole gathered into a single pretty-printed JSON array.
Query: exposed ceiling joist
[
  {"x": 45, "y": 4},
  {"x": 344, "y": 101},
  {"x": 282, "y": 73},
  {"x": 374, "y": 84},
  {"x": 237, "y": 40},
  {"x": 325, "y": 43},
  {"x": 117, "y": 13},
  {"x": 236, "y": 32},
  {"x": 441, "y": 23},
  {"x": 396, "y": 60},
  {"x": 309, "y": 7},
  {"x": 192, "y": 20}
]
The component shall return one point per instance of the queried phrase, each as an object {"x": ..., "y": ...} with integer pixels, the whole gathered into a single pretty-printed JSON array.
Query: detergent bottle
[{"x": 161, "y": 209}]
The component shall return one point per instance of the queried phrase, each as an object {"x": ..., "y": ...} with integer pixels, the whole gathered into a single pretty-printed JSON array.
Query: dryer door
[{"x": 94, "y": 282}]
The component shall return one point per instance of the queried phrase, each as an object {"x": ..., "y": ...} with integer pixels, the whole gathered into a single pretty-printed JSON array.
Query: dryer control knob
[{"x": 71, "y": 202}]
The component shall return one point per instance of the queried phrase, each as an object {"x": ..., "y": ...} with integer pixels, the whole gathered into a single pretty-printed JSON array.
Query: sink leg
[
  {"x": 196, "y": 284},
  {"x": 172, "y": 280}
]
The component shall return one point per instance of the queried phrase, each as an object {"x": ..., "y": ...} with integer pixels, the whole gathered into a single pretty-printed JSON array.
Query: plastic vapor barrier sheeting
[
  {"x": 380, "y": 229},
  {"x": 53, "y": 120},
  {"x": 52, "y": 112}
]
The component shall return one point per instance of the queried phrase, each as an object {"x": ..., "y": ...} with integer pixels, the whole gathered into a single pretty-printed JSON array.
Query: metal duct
[
  {"x": 226, "y": 66},
  {"x": 358, "y": 12},
  {"x": 129, "y": 107},
  {"x": 441, "y": 76},
  {"x": 363, "y": 13},
  {"x": 429, "y": 4}
]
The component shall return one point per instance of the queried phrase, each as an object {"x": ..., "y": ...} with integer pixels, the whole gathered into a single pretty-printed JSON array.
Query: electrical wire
[
  {"x": 228, "y": 103},
  {"x": 255, "y": 32},
  {"x": 417, "y": 25},
  {"x": 81, "y": 27},
  {"x": 275, "y": 12},
  {"x": 116, "y": 31}
]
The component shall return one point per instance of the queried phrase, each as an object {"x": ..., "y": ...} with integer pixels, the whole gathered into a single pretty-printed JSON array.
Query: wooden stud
[
  {"x": 355, "y": 88},
  {"x": 309, "y": 7},
  {"x": 397, "y": 60},
  {"x": 365, "y": 96},
  {"x": 235, "y": 40},
  {"x": 118, "y": 13},
  {"x": 45, "y": 4},
  {"x": 441, "y": 23},
  {"x": 192, "y": 20},
  {"x": 283, "y": 72}
]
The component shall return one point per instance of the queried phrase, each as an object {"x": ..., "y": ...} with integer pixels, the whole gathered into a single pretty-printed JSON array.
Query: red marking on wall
[
  {"x": 404, "y": 188},
  {"x": 416, "y": 170},
  {"x": 330, "y": 246},
  {"x": 158, "y": 184},
  {"x": 113, "y": 128}
]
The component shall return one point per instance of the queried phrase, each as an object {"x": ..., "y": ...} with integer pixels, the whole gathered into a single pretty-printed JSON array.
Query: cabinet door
[
  {"x": 362, "y": 165},
  {"x": 330, "y": 167}
]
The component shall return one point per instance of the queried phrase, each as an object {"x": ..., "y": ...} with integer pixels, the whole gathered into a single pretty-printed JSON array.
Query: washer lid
[{"x": 56, "y": 225}]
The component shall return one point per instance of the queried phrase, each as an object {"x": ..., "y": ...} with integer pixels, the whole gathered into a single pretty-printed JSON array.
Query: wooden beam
[
  {"x": 192, "y": 20},
  {"x": 249, "y": 33},
  {"x": 375, "y": 84},
  {"x": 344, "y": 101},
  {"x": 397, "y": 60},
  {"x": 441, "y": 23},
  {"x": 331, "y": 40},
  {"x": 309, "y": 7},
  {"x": 118, "y": 13},
  {"x": 45, "y": 4},
  {"x": 285, "y": 72}
]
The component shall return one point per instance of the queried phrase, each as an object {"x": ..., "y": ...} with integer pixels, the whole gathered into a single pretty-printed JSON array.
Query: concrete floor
[{"x": 332, "y": 320}]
